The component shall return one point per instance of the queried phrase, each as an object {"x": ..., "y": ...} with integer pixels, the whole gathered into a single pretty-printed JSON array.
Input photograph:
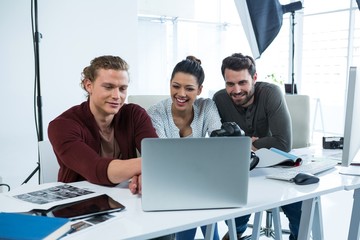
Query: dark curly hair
[{"x": 238, "y": 62}]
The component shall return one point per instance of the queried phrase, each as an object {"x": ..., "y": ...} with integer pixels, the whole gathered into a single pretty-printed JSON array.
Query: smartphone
[{"x": 85, "y": 208}]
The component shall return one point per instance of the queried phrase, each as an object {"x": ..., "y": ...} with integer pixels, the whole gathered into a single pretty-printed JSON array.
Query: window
[
  {"x": 325, "y": 57},
  {"x": 213, "y": 31}
]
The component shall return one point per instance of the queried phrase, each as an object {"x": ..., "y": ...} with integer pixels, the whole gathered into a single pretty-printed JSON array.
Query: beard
[{"x": 245, "y": 97}]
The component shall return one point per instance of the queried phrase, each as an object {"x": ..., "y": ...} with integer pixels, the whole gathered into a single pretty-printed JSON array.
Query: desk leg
[
  {"x": 232, "y": 229},
  {"x": 210, "y": 231},
  {"x": 355, "y": 217},
  {"x": 257, "y": 225},
  {"x": 277, "y": 223},
  {"x": 317, "y": 228},
  {"x": 311, "y": 219}
]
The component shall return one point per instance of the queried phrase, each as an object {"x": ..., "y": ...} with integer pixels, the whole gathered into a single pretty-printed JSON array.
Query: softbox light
[{"x": 262, "y": 21}]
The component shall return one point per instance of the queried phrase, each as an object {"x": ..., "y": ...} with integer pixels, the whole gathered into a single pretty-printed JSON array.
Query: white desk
[
  {"x": 353, "y": 183},
  {"x": 263, "y": 194},
  {"x": 350, "y": 183},
  {"x": 311, "y": 220},
  {"x": 133, "y": 223}
]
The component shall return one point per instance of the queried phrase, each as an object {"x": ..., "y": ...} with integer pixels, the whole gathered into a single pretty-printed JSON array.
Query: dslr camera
[
  {"x": 228, "y": 129},
  {"x": 333, "y": 142}
]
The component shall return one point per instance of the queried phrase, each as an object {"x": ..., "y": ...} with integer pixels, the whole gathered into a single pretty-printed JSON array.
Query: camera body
[
  {"x": 333, "y": 142},
  {"x": 228, "y": 129}
]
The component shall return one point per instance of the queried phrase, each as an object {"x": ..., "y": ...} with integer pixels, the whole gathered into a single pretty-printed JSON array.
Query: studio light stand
[
  {"x": 292, "y": 8},
  {"x": 292, "y": 52},
  {"x": 37, "y": 89}
]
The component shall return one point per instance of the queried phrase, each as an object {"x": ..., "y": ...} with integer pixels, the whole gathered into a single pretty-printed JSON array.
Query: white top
[{"x": 206, "y": 118}]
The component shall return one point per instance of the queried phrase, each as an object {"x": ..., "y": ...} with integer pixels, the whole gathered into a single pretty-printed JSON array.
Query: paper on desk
[
  {"x": 27, "y": 198},
  {"x": 273, "y": 157},
  {"x": 351, "y": 170}
]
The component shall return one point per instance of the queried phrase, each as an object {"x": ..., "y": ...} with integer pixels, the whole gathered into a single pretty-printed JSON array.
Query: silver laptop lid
[{"x": 195, "y": 173}]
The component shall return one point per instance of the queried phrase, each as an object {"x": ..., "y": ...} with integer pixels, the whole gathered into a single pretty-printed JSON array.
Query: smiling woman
[{"x": 185, "y": 115}]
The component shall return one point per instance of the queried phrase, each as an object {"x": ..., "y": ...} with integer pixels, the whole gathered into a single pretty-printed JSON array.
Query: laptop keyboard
[{"x": 312, "y": 167}]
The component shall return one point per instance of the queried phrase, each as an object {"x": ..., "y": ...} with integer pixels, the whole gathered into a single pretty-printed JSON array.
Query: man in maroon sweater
[{"x": 97, "y": 140}]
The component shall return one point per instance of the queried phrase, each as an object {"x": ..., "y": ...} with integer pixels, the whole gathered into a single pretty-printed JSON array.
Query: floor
[{"x": 336, "y": 209}]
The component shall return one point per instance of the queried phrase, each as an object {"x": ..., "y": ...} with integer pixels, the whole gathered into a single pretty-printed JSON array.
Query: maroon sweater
[{"x": 75, "y": 138}]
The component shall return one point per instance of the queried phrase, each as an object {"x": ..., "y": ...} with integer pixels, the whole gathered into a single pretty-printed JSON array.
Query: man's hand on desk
[
  {"x": 253, "y": 139},
  {"x": 135, "y": 184}
]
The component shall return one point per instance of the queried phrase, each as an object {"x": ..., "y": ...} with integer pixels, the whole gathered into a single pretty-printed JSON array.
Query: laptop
[{"x": 195, "y": 173}]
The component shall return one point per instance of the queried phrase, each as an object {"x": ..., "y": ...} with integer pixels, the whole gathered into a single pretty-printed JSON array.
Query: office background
[{"x": 153, "y": 36}]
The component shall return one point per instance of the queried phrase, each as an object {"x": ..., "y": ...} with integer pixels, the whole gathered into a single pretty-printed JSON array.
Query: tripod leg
[{"x": 32, "y": 174}]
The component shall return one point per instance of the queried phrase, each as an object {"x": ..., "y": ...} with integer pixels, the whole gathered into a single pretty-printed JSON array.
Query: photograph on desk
[
  {"x": 52, "y": 194},
  {"x": 85, "y": 223},
  {"x": 43, "y": 197}
]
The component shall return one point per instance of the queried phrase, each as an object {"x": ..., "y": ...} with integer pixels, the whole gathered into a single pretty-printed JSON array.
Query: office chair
[
  {"x": 275, "y": 232},
  {"x": 299, "y": 108},
  {"x": 49, "y": 167},
  {"x": 146, "y": 101}
]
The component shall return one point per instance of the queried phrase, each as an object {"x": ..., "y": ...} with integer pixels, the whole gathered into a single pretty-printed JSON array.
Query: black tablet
[{"x": 85, "y": 208}]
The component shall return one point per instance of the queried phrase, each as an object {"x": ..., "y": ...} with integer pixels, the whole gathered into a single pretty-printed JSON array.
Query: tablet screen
[{"x": 86, "y": 208}]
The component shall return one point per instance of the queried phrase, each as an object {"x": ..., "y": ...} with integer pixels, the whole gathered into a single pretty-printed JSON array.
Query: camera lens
[{"x": 334, "y": 145}]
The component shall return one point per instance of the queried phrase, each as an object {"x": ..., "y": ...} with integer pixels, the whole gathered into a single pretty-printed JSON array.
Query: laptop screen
[{"x": 195, "y": 173}]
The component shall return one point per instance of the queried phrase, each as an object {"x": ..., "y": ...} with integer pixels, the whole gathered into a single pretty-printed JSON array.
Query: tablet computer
[{"x": 85, "y": 208}]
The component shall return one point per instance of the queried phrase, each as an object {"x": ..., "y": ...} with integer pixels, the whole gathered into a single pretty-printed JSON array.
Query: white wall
[
  {"x": 183, "y": 8},
  {"x": 74, "y": 32}
]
